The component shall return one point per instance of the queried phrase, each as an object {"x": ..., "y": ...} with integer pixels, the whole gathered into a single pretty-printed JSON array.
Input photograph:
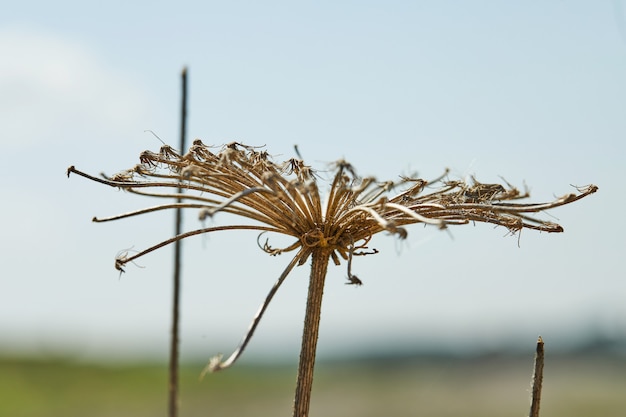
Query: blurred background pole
[
  {"x": 537, "y": 379},
  {"x": 173, "y": 367}
]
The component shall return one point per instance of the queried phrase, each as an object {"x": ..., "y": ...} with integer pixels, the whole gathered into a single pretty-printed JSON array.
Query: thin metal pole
[{"x": 174, "y": 342}]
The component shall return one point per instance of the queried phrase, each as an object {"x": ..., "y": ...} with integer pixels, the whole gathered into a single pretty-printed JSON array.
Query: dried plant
[
  {"x": 285, "y": 198},
  {"x": 537, "y": 381}
]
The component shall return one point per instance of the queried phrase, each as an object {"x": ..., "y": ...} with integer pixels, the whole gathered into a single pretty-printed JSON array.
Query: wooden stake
[{"x": 537, "y": 379}]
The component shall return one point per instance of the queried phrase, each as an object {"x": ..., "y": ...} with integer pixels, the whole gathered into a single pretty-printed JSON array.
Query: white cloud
[{"x": 53, "y": 84}]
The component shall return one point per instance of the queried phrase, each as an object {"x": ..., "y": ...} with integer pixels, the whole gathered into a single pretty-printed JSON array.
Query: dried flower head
[{"x": 284, "y": 197}]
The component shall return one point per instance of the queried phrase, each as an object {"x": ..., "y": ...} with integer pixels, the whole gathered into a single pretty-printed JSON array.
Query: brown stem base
[{"x": 304, "y": 384}]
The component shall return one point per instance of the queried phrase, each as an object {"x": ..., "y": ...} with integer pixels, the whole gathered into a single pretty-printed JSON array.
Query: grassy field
[{"x": 495, "y": 386}]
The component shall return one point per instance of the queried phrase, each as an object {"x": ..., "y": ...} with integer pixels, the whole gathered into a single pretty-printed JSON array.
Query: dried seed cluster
[{"x": 284, "y": 197}]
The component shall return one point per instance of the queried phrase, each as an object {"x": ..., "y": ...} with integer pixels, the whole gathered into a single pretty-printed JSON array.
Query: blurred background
[{"x": 533, "y": 93}]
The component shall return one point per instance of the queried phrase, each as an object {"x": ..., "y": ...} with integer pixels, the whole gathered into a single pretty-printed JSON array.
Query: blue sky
[{"x": 531, "y": 91}]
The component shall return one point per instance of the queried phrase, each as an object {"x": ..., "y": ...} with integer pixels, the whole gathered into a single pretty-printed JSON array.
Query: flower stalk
[
  {"x": 304, "y": 384},
  {"x": 284, "y": 198}
]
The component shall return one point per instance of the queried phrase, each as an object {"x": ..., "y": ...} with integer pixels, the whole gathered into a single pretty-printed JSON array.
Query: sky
[{"x": 533, "y": 92}]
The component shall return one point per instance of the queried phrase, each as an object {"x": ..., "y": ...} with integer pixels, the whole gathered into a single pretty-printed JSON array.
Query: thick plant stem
[{"x": 319, "y": 267}]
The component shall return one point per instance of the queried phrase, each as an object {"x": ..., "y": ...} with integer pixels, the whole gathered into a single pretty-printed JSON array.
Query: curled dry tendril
[{"x": 284, "y": 198}]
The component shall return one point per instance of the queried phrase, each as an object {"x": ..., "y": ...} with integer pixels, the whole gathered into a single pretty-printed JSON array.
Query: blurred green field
[{"x": 489, "y": 386}]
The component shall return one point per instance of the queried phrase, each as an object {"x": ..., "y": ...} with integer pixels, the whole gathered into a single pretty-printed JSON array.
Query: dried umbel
[{"x": 284, "y": 197}]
